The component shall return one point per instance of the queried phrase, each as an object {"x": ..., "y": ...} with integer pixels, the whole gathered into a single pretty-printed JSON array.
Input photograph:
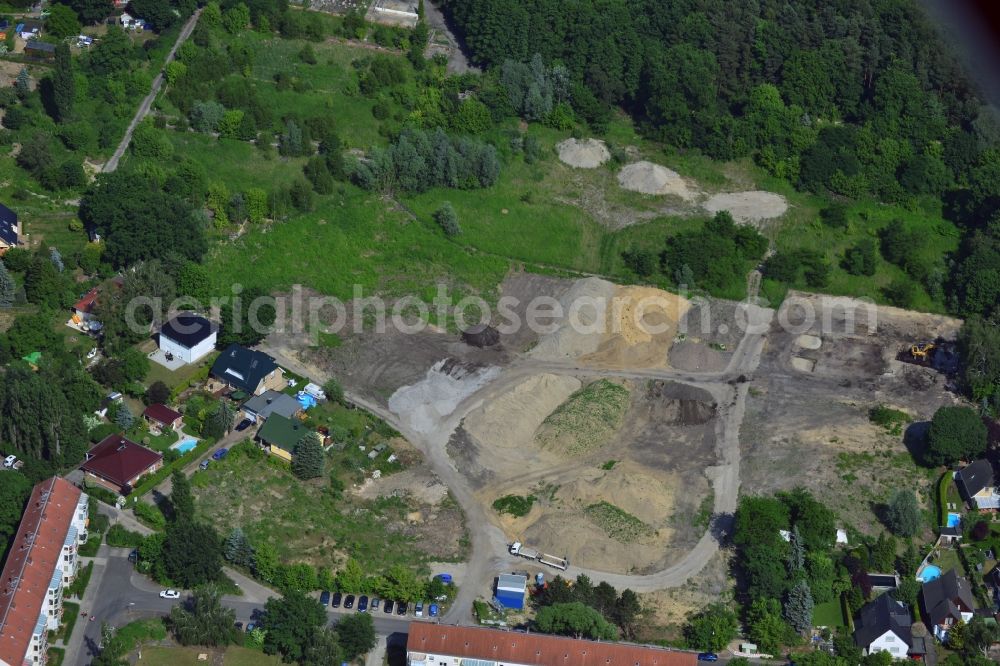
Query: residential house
[
  {"x": 885, "y": 625},
  {"x": 446, "y": 645},
  {"x": 83, "y": 318},
  {"x": 188, "y": 337},
  {"x": 162, "y": 419},
  {"x": 946, "y": 600},
  {"x": 39, "y": 50},
  {"x": 260, "y": 407},
  {"x": 246, "y": 370},
  {"x": 10, "y": 235},
  {"x": 280, "y": 434},
  {"x": 118, "y": 463},
  {"x": 42, "y": 561},
  {"x": 976, "y": 485}
]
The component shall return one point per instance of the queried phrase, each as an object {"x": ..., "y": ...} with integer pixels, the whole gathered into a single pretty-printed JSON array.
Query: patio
[{"x": 159, "y": 357}]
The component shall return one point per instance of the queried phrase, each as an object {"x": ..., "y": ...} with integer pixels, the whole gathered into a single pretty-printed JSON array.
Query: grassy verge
[
  {"x": 587, "y": 419},
  {"x": 55, "y": 656},
  {"x": 79, "y": 586},
  {"x": 181, "y": 656},
  {"x": 93, "y": 544},
  {"x": 71, "y": 612},
  {"x": 617, "y": 523}
]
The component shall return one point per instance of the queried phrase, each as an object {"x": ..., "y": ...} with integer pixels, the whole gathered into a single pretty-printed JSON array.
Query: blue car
[
  {"x": 324, "y": 598},
  {"x": 708, "y": 656},
  {"x": 433, "y": 610},
  {"x": 220, "y": 454}
]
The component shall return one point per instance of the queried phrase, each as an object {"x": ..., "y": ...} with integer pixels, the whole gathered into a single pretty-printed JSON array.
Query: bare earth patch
[
  {"x": 583, "y": 154},
  {"x": 748, "y": 207}
]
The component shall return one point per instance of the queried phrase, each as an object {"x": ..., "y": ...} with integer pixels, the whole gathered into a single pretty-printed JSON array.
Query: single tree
[
  {"x": 796, "y": 553},
  {"x": 220, "y": 422},
  {"x": 333, "y": 390},
  {"x": 7, "y": 287},
  {"x": 181, "y": 499},
  {"x": 902, "y": 515},
  {"x": 56, "y": 259},
  {"x": 203, "y": 620},
  {"x": 192, "y": 554},
  {"x": 63, "y": 83},
  {"x": 158, "y": 393},
  {"x": 956, "y": 433},
  {"x": 238, "y": 549},
  {"x": 62, "y": 23},
  {"x": 124, "y": 418},
  {"x": 712, "y": 628},
  {"x": 766, "y": 627},
  {"x": 356, "y": 635},
  {"x": 447, "y": 219},
  {"x": 22, "y": 84},
  {"x": 112, "y": 648},
  {"x": 308, "y": 459},
  {"x": 980, "y": 635},
  {"x": 799, "y": 607},
  {"x": 322, "y": 649},
  {"x": 291, "y": 621}
]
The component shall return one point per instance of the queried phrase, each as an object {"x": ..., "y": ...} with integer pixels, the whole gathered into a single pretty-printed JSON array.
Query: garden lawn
[
  {"x": 181, "y": 656},
  {"x": 828, "y": 614}
]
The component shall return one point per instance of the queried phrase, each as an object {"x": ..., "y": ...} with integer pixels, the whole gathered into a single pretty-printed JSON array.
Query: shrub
[
  {"x": 515, "y": 505},
  {"x": 447, "y": 218},
  {"x": 150, "y": 514},
  {"x": 119, "y": 537}
]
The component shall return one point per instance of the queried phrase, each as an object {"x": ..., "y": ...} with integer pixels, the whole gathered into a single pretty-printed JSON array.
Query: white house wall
[
  {"x": 891, "y": 643},
  {"x": 188, "y": 355}
]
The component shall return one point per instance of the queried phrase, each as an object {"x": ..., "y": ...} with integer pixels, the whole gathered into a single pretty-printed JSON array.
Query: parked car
[
  {"x": 401, "y": 608},
  {"x": 324, "y": 598},
  {"x": 362, "y": 603},
  {"x": 708, "y": 656},
  {"x": 9, "y": 461},
  {"x": 418, "y": 610},
  {"x": 204, "y": 464},
  {"x": 220, "y": 454},
  {"x": 349, "y": 601},
  {"x": 337, "y": 597},
  {"x": 243, "y": 425},
  {"x": 432, "y": 610},
  {"x": 375, "y": 603},
  {"x": 387, "y": 607},
  {"x": 444, "y": 578},
  {"x": 170, "y": 594},
  {"x": 250, "y": 627}
]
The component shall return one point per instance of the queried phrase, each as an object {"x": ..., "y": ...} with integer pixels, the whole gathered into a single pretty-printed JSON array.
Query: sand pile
[
  {"x": 425, "y": 404},
  {"x": 748, "y": 207},
  {"x": 648, "y": 178},
  {"x": 510, "y": 420},
  {"x": 585, "y": 306},
  {"x": 642, "y": 324},
  {"x": 585, "y": 154}
]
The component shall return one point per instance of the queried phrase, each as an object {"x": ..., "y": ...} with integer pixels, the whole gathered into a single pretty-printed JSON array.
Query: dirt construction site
[{"x": 630, "y": 430}]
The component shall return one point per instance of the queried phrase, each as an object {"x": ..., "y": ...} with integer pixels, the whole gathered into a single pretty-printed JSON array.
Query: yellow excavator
[{"x": 922, "y": 350}]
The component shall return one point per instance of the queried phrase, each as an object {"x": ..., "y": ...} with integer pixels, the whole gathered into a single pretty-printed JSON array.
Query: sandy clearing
[
  {"x": 747, "y": 207},
  {"x": 648, "y": 178},
  {"x": 509, "y": 422},
  {"x": 583, "y": 154},
  {"x": 585, "y": 306}
]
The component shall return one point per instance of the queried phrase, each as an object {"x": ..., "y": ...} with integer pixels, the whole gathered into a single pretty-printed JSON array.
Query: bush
[
  {"x": 447, "y": 219},
  {"x": 119, "y": 537},
  {"x": 149, "y": 514},
  {"x": 79, "y": 586},
  {"x": 515, "y": 505}
]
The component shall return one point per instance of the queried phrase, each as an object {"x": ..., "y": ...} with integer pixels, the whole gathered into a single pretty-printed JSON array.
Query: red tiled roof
[
  {"x": 86, "y": 304},
  {"x": 119, "y": 460},
  {"x": 535, "y": 649},
  {"x": 161, "y": 414},
  {"x": 31, "y": 564}
]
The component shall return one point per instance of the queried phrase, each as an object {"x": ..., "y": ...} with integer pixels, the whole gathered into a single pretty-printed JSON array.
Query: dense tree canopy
[{"x": 956, "y": 433}]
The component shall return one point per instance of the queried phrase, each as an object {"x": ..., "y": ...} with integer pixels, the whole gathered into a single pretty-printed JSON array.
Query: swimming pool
[
  {"x": 954, "y": 519},
  {"x": 186, "y": 445},
  {"x": 930, "y": 572}
]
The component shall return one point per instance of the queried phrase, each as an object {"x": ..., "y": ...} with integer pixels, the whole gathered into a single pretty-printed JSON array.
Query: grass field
[
  {"x": 828, "y": 614},
  {"x": 181, "y": 656},
  {"x": 617, "y": 523}
]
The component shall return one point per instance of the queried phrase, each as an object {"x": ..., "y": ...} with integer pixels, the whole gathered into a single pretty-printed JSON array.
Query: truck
[{"x": 517, "y": 548}]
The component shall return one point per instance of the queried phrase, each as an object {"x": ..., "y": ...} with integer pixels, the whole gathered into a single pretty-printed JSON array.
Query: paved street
[{"x": 124, "y": 595}]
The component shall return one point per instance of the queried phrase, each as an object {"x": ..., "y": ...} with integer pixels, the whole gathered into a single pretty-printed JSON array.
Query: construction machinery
[{"x": 922, "y": 350}]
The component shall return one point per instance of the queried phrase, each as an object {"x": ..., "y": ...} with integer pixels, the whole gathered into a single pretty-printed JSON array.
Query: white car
[
  {"x": 9, "y": 461},
  {"x": 170, "y": 594}
]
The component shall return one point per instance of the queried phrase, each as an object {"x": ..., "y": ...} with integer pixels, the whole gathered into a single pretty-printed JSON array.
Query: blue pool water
[
  {"x": 186, "y": 445},
  {"x": 954, "y": 519},
  {"x": 930, "y": 572}
]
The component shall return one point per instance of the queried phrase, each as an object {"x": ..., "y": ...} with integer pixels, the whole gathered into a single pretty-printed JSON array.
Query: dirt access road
[
  {"x": 489, "y": 554},
  {"x": 147, "y": 102}
]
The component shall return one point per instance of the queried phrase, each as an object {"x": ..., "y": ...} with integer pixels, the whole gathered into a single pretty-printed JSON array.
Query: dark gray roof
[
  {"x": 882, "y": 615},
  {"x": 243, "y": 368},
  {"x": 38, "y": 45},
  {"x": 271, "y": 402},
  {"x": 949, "y": 595},
  {"x": 188, "y": 330},
  {"x": 974, "y": 478},
  {"x": 8, "y": 225}
]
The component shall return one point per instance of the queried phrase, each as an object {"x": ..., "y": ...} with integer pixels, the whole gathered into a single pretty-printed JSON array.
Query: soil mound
[
  {"x": 585, "y": 306},
  {"x": 641, "y": 328},
  {"x": 425, "y": 404},
  {"x": 586, "y": 421},
  {"x": 648, "y": 178},
  {"x": 583, "y": 154},
  {"x": 696, "y": 357},
  {"x": 747, "y": 207},
  {"x": 510, "y": 420}
]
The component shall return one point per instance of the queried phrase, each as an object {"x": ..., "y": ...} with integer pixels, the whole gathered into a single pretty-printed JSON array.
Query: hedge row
[{"x": 160, "y": 475}]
